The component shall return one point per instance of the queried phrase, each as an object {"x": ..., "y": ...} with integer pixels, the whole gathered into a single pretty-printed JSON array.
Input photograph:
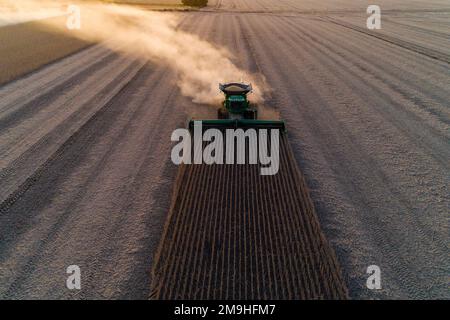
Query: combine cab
[
  {"x": 236, "y": 105},
  {"x": 237, "y": 111}
]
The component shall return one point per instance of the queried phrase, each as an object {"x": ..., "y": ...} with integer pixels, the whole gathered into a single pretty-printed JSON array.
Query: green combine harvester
[
  {"x": 237, "y": 111},
  {"x": 231, "y": 230}
]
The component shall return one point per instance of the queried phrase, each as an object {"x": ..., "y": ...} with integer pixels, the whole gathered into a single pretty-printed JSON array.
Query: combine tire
[
  {"x": 223, "y": 113},
  {"x": 251, "y": 114}
]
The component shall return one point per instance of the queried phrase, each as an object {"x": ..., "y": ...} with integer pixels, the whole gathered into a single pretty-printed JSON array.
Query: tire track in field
[
  {"x": 431, "y": 53},
  {"x": 426, "y": 92},
  {"x": 401, "y": 117},
  {"x": 25, "y": 111},
  {"x": 42, "y": 80},
  {"x": 18, "y": 175}
]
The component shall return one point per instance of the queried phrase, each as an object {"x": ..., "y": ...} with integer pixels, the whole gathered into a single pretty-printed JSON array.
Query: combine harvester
[
  {"x": 233, "y": 233},
  {"x": 237, "y": 111}
]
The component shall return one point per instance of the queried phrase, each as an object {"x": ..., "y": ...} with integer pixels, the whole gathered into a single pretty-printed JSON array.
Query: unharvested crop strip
[{"x": 235, "y": 234}]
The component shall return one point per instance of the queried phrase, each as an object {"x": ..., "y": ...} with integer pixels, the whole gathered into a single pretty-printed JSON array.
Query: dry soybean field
[{"x": 86, "y": 175}]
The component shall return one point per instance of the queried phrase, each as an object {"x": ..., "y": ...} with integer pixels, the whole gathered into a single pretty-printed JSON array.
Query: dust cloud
[{"x": 199, "y": 64}]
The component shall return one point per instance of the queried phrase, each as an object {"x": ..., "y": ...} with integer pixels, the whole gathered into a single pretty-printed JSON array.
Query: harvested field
[
  {"x": 86, "y": 175},
  {"x": 27, "y": 46},
  {"x": 235, "y": 234}
]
